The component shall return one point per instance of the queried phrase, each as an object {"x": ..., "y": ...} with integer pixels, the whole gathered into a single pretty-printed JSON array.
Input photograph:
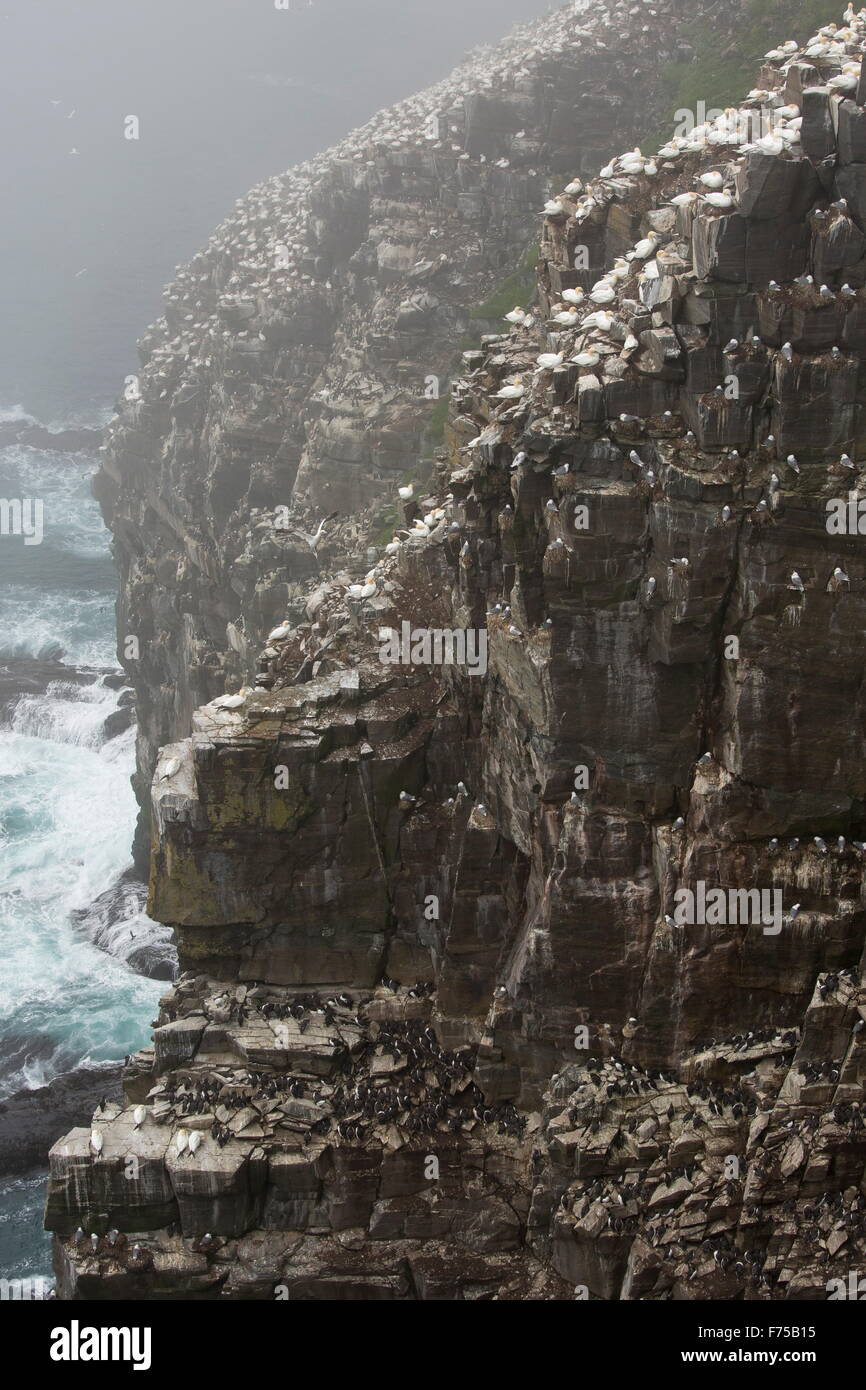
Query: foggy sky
[{"x": 227, "y": 92}]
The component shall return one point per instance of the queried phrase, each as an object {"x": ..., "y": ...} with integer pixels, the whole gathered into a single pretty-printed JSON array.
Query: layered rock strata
[
  {"x": 302, "y": 363},
  {"x": 482, "y": 996}
]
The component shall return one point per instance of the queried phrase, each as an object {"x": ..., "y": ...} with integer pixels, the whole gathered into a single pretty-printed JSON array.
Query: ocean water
[{"x": 72, "y": 928}]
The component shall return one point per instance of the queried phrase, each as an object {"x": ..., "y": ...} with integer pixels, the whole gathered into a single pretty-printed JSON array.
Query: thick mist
[{"x": 227, "y": 92}]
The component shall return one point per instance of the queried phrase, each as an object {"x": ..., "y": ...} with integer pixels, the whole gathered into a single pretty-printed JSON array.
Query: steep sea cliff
[{"x": 455, "y": 1020}]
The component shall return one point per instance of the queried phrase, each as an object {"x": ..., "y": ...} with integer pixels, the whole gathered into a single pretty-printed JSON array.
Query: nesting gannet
[
  {"x": 645, "y": 248},
  {"x": 603, "y": 293},
  {"x": 510, "y": 392},
  {"x": 138, "y": 1115},
  {"x": 600, "y": 319},
  {"x": 228, "y": 701},
  {"x": 97, "y": 1142}
]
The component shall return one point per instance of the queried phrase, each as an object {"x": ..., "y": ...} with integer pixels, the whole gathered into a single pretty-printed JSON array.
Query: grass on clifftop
[
  {"x": 435, "y": 431},
  {"x": 724, "y": 69},
  {"x": 516, "y": 288}
]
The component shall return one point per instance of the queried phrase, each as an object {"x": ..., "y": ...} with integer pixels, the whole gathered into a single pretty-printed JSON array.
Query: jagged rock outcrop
[{"x": 504, "y": 922}]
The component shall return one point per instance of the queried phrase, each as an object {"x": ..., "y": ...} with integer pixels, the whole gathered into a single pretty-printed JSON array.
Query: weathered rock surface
[
  {"x": 302, "y": 364},
  {"x": 445, "y": 913}
]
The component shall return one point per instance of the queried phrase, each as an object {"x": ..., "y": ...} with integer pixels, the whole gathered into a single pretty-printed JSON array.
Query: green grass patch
[
  {"x": 435, "y": 430},
  {"x": 516, "y": 288},
  {"x": 722, "y": 70},
  {"x": 385, "y": 522}
]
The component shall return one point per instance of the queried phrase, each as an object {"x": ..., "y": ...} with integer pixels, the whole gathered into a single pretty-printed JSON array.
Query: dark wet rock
[
  {"x": 116, "y": 922},
  {"x": 32, "y": 676},
  {"x": 30, "y": 1120},
  {"x": 67, "y": 441},
  {"x": 119, "y": 721}
]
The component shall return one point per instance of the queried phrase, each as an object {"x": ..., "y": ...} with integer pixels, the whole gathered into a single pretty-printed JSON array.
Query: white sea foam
[{"x": 67, "y": 811}]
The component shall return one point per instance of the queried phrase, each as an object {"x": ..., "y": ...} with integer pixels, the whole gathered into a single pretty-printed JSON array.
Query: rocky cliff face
[
  {"x": 302, "y": 364},
  {"x": 504, "y": 982}
]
